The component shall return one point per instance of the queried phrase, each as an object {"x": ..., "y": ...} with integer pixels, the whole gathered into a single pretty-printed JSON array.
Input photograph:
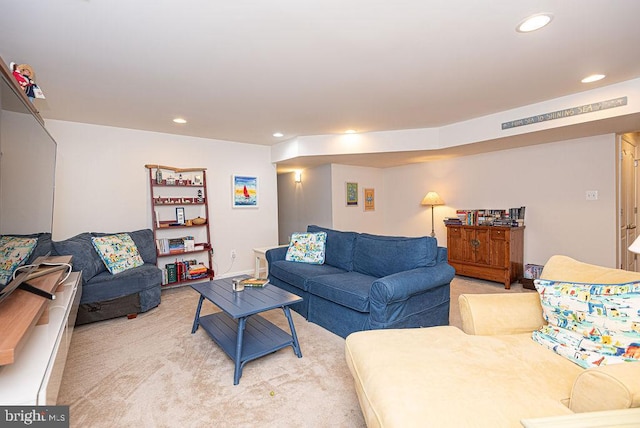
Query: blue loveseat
[
  {"x": 104, "y": 295},
  {"x": 368, "y": 282}
]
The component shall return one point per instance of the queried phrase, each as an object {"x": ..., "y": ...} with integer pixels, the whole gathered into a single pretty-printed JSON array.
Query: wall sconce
[
  {"x": 298, "y": 176},
  {"x": 432, "y": 199}
]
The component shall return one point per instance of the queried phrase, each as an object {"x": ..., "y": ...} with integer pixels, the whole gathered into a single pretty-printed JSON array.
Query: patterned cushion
[
  {"x": 591, "y": 324},
  {"x": 14, "y": 251},
  {"x": 307, "y": 248},
  {"x": 118, "y": 252}
]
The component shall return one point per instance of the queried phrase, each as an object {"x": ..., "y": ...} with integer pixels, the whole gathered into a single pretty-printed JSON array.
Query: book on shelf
[{"x": 254, "y": 282}]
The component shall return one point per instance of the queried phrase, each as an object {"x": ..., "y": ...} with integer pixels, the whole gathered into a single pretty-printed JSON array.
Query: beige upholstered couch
[{"x": 492, "y": 374}]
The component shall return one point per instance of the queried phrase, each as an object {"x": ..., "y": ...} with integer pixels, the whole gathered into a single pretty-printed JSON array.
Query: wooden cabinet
[
  {"x": 487, "y": 252},
  {"x": 180, "y": 216}
]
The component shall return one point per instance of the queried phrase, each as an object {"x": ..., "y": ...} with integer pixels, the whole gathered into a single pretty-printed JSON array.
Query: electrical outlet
[
  {"x": 592, "y": 195},
  {"x": 233, "y": 254}
]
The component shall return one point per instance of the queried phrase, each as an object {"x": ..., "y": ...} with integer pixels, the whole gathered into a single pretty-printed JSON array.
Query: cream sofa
[{"x": 490, "y": 373}]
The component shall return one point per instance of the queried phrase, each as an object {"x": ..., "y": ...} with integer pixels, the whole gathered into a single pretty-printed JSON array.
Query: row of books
[
  {"x": 487, "y": 217},
  {"x": 175, "y": 245},
  {"x": 183, "y": 270}
]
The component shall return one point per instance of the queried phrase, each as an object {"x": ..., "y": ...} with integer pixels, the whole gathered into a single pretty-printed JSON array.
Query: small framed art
[
  {"x": 369, "y": 200},
  {"x": 352, "y": 194},
  {"x": 180, "y": 215},
  {"x": 245, "y": 191}
]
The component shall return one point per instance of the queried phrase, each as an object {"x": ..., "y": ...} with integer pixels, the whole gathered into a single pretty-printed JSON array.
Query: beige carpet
[{"x": 152, "y": 372}]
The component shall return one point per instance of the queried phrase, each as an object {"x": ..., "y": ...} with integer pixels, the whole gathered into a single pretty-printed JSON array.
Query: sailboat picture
[{"x": 245, "y": 191}]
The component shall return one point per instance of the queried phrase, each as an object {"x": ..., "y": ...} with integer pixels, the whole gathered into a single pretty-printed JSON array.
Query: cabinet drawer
[{"x": 498, "y": 235}]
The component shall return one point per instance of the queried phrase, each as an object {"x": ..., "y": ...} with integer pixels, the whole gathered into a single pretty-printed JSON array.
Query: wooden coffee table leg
[
  {"x": 238, "y": 360},
  {"x": 296, "y": 345}
]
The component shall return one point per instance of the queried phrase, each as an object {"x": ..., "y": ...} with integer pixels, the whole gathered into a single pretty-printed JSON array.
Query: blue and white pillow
[
  {"x": 590, "y": 324},
  {"x": 14, "y": 251},
  {"x": 118, "y": 252},
  {"x": 307, "y": 248}
]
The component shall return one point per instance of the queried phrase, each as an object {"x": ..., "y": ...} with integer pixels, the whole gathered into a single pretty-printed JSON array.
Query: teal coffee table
[{"x": 238, "y": 329}]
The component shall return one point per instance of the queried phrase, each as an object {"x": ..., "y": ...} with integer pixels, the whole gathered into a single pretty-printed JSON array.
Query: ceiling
[{"x": 241, "y": 70}]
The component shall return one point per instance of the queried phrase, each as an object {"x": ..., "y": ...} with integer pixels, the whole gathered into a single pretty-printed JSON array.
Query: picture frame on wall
[
  {"x": 244, "y": 191},
  {"x": 369, "y": 199},
  {"x": 352, "y": 194}
]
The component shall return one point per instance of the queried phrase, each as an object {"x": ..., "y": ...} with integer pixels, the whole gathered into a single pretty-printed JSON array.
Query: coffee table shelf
[{"x": 261, "y": 337}]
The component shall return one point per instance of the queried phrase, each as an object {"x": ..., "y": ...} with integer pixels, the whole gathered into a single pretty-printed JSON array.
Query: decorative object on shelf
[
  {"x": 352, "y": 194},
  {"x": 199, "y": 221},
  {"x": 180, "y": 215},
  {"x": 158, "y": 175},
  {"x": 245, "y": 191},
  {"x": 432, "y": 199},
  {"x": 369, "y": 200}
]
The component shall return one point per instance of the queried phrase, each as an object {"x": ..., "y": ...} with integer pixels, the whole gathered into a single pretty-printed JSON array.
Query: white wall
[
  {"x": 301, "y": 204},
  {"x": 549, "y": 179},
  {"x": 355, "y": 217},
  {"x": 102, "y": 185}
]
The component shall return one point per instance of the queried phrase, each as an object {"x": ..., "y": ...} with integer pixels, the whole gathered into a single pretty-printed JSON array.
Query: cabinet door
[
  {"x": 499, "y": 250},
  {"x": 455, "y": 244},
  {"x": 481, "y": 246}
]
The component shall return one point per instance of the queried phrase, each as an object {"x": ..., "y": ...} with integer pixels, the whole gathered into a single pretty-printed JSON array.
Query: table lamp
[
  {"x": 432, "y": 199},
  {"x": 635, "y": 247}
]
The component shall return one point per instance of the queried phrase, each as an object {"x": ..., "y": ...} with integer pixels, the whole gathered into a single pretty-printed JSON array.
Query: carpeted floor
[{"x": 152, "y": 372}]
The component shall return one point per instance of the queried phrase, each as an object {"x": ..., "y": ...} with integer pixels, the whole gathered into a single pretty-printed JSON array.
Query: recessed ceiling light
[
  {"x": 179, "y": 120},
  {"x": 593, "y": 78},
  {"x": 278, "y": 134},
  {"x": 534, "y": 22},
  {"x": 350, "y": 131}
]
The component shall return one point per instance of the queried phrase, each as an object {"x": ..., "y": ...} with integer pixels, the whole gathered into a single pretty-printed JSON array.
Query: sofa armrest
[
  {"x": 401, "y": 286},
  {"x": 606, "y": 388},
  {"x": 501, "y": 313},
  {"x": 275, "y": 254},
  {"x": 442, "y": 255}
]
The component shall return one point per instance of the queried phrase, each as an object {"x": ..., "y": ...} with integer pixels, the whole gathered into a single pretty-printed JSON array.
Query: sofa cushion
[
  {"x": 85, "y": 257},
  {"x": 144, "y": 241},
  {"x": 350, "y": 289},
  {"x": 118, "y": 252},
  {"x": 385, "y": 255},
  {"x": 339, "y": 247},
  {"x": 106, "y": 286},
  {"x": 297, "y": 274},
  {"x": 14, "y": 251},
  {"x": 307, "y": 248},
  {"x": 591, "y": 324}
]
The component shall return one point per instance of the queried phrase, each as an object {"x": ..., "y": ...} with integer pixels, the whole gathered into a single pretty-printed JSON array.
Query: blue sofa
[
  {"x": 368, "y": 282},
  {"x": 104, "y": 295}
]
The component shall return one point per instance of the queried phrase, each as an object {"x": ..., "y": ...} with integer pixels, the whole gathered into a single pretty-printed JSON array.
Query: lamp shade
[
  {"x": 432, "y": 198},
  {"x": 635, "y": 247}
]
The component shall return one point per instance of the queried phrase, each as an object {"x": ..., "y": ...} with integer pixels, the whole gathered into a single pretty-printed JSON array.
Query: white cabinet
[{"x": 35, "y": 377}]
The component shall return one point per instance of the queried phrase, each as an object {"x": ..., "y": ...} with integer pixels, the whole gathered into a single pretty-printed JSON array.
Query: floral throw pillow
[
  {"x": 307, "y": 248},
  {"x": 590, "y": 324},
  {"x": 14, "y": 250},
  {"x": 118, "y": 252}
]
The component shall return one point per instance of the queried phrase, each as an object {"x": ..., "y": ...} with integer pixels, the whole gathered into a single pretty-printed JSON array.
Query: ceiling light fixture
[
  {"x": 278, "y": 134},
  {"x": 593, "y": 78},
  {"x": 534, "y": 22},
  {"x": 179, "y": 120}
]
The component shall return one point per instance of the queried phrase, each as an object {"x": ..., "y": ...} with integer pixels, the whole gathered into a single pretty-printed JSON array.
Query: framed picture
[
  {"x": 245, "y": 191},
  {"x": 369, "y": 200},
  {"x": 180, "y": 215},
  {"x": 352, "y": 194}
]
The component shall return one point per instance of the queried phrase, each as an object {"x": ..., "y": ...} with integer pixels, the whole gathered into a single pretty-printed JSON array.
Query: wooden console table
[{"x": 487, "y": 252}]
